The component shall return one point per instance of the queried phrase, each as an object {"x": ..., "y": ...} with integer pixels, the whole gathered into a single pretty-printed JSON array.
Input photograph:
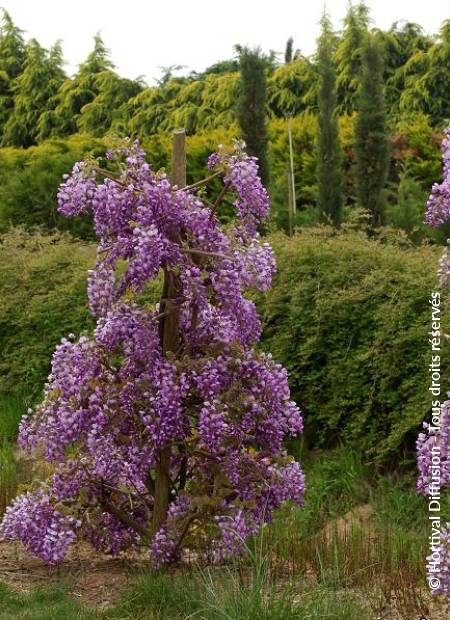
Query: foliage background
[
  {"x": 63, "y": 118},
  {"x": 348, "y": 316}
]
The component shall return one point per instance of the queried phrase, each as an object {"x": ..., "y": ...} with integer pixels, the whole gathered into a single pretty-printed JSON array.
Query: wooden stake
[
  {"x": 178, "y": 172},
  {"x": 169, "y": 337},
  {"x": 291, "y": 165},
  {"x": 290, "y": 204}
]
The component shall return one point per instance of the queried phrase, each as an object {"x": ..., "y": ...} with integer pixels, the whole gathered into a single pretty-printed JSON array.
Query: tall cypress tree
[
  {"x": 371, "y": 138},
  {"x": 329, "y": 169},
  {"x": 251, "y": 112},
  {"x": 289, "y": 52}
]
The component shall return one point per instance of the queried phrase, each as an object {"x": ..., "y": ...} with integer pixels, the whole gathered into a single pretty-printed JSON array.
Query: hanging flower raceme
[
  {"x": 438, "y": 205},
  {"x": 433, "y": 444},
  {"x": 165, "y": 427}
]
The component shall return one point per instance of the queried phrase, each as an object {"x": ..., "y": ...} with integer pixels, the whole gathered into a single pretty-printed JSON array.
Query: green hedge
[
  {"x": 29, "y": 178},
  {"x": 348, "y": 316},
  {"x": 29, "y": 182},
  {"x": 42, "y": 298}
]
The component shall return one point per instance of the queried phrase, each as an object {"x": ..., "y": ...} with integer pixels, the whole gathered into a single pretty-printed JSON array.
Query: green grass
[
  {"x": 12, "y": 408},
  {"x": 335, "y": 483},
  {"x": 42, "y": 604},
  {"x": 13, "y": 472},
  {"x": 9, "y": 476},
  {"x": 158, "y": 596},
  {"x": 163, "y": 597}
]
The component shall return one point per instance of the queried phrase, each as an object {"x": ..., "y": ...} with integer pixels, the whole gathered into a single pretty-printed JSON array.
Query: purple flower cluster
[
  {"x": 212, "y": 424},
  {"x": 258, "y": 265},
  {"x": 252, "y": 203},
  {"x": 76, "y": 193},
  {"x": 234, "y": 529},
  {"x": 433, "y": 445},
  {"x": 438, "y": 205},
  {"x": 101, "y": 289},
  {"x": 428, "y": 440},
  {"x": 119, "y": 399},
  {"x": 33, "y": 520}
]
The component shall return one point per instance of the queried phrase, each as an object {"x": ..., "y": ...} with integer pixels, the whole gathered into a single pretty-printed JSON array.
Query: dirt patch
[
  {"x": 358, "y": 517},
  {"x": 94, "y": 578}
]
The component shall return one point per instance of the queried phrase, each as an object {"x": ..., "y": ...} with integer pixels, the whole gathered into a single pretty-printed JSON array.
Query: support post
[
  {"x": 290, "y": 204},
  {"x": 178, "y": 170},
  {"x": 291, "y": 165},
  {"x": 169, "y": 337}
]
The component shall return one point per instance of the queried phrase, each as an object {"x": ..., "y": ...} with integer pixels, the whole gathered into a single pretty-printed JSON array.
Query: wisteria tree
[
  {"x": 166, "y": 425},
  {"x": 433, "y": 445}
]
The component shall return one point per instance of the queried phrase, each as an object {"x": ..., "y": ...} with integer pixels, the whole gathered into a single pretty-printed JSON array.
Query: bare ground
[{"x": 94, "y": 578}]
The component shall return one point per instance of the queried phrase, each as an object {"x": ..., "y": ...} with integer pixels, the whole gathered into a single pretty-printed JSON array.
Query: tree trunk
[{"x": 170, "y": 340}]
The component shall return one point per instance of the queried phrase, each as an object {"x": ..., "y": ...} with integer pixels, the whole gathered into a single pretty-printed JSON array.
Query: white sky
[{"x": 146, "y": 34}]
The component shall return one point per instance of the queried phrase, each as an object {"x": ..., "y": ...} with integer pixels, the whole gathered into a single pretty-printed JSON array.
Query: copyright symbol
[{"x": 434, "y": 583}]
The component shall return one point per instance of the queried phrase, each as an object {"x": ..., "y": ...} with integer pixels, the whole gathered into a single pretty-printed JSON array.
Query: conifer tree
[
  {"x": 75, "y": 93},
  {"x": 348, "y": 56},
  {"x": 12, "y": 56},
  {"x": 251, "y": 112},
  {"x": 427, "y": 79},
  {"x": 371, "y": 138},
  {"x": 34, "y": 90},
  {"x": 400, "y": 43},
  {"x": 98, "y": 116},
  {"x": 289, "y": 52},
  {"x": 329, "y": 168}
]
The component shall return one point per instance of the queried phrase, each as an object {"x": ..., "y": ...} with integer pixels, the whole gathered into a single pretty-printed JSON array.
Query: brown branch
[
  {"x": 161, "y": 315},
  {"x": 103, "y": 250},
  {"x": 203, "y": 253},
  {"x": 207, "y": 203},
  {"x": 108, "y": 175},
  {"x": 125, "y": 518},
  {"x": 220, "y": 197},
  {"x": 203, "y": 453},
  {"x": 183, "y": 533},
  {"x": 135, "y": 496},
  {"x": 198, "y": 184}
]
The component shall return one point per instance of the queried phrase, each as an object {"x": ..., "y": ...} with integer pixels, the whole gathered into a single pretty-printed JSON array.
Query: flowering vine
[
  {"x": 165, "y": 426},
  {"x": 433, "y": 445}
]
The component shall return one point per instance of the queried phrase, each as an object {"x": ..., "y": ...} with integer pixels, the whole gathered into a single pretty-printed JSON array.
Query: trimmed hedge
[
  {"x": 348, "y": 317},
  {"x": 42, "y": 298},
  {"x": 29, "y": 182}
]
